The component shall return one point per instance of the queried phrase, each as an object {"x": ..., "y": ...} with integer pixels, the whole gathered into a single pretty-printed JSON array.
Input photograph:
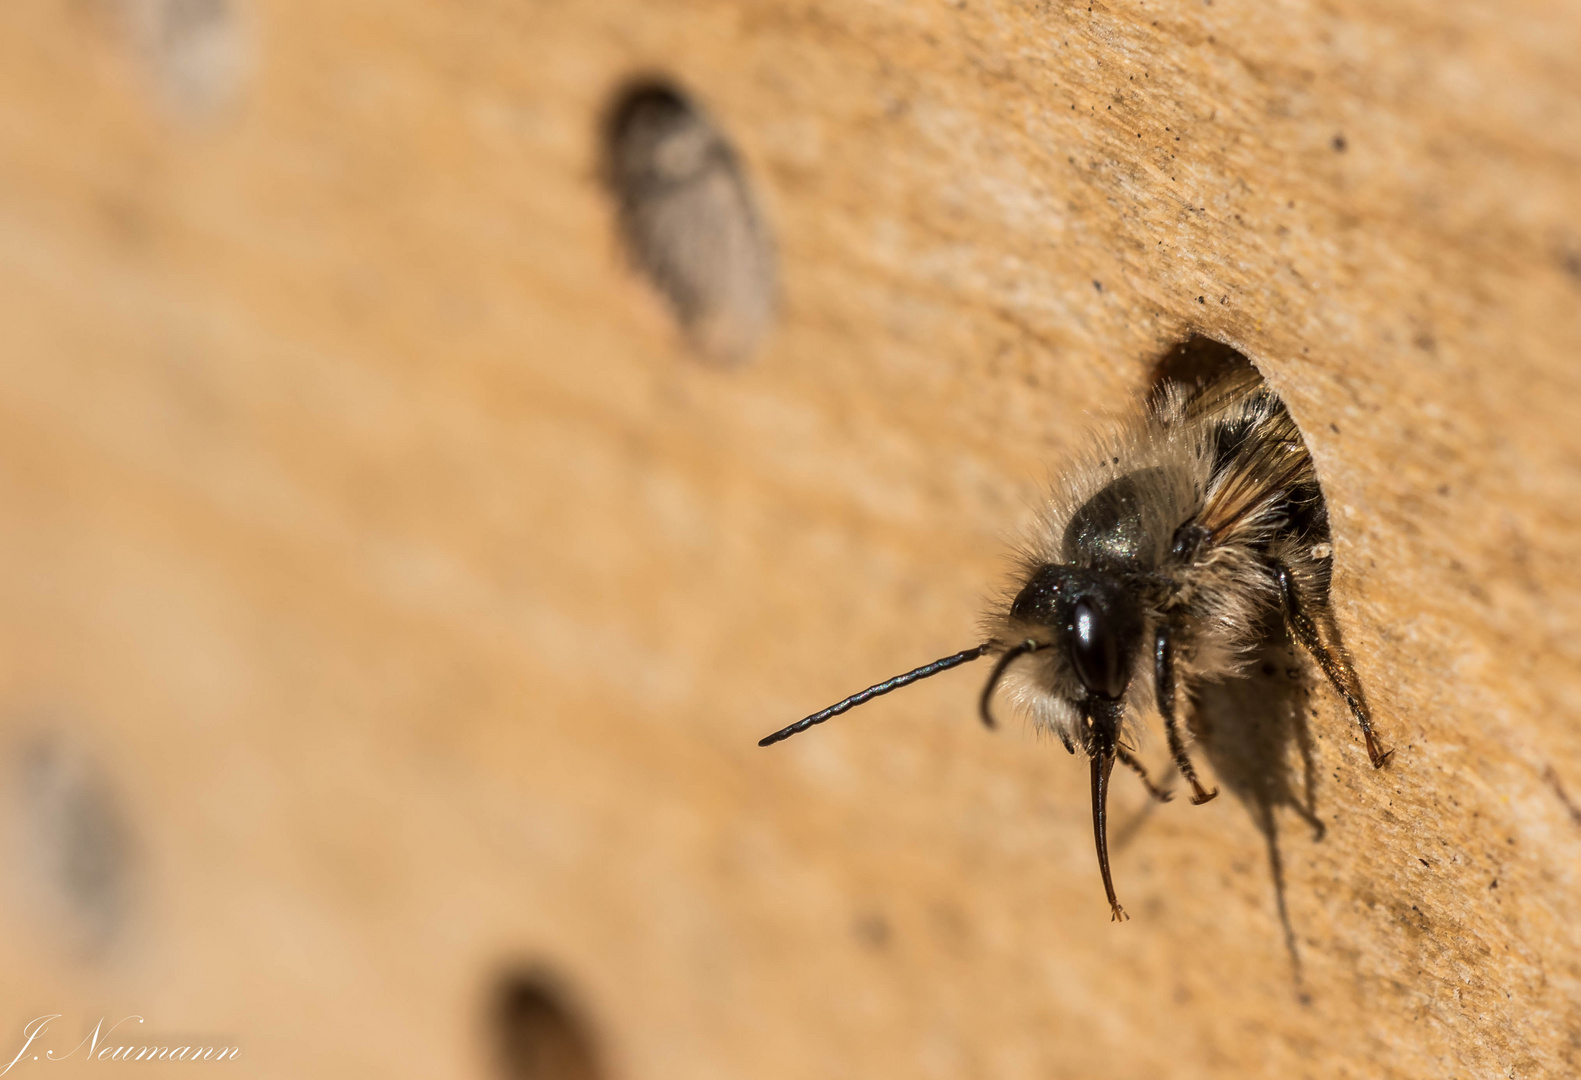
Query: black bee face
[{"x": 1095, "y": 619}]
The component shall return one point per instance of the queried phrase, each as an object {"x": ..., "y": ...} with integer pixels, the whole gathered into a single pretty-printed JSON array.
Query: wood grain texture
[{"x": 415, "y": 599}]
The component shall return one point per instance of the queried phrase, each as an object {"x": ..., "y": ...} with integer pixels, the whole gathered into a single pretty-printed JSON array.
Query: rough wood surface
[{"x": 397, "y": 600}]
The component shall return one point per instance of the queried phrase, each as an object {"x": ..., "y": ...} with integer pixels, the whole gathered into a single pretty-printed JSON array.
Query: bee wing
[
  {"x": 1269, "y": 460},
  {"x": 1270, "y": 463},
  {"x": 1227, "y": 394}
]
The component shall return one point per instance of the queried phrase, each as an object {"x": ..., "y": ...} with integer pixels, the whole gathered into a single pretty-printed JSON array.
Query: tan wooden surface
[{"x": 397, "y": 599}]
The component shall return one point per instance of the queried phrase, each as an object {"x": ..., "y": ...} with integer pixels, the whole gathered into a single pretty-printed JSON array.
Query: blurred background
[{"x": 438, "y": 440}]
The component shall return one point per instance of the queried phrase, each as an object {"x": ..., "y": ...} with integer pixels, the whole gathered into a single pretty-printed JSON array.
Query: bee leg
[
  {"x": 1311, "y": 620},
  {"x": 1130, "y": 762},
  {"x": 1164, "y": 690},
  {"x": 1102, "y": 763}
]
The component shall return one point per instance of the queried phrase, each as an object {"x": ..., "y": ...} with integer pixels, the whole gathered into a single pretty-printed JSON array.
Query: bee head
[{"x": 1093, "y": 617}]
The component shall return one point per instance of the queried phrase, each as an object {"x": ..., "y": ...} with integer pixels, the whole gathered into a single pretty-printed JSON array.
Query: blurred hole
[
  {"x": 688, "y": 219},
  {"x": 76, "y": 843},
  {"x": 197, "y": 50},
  {"x": 539, "y": 1036}
]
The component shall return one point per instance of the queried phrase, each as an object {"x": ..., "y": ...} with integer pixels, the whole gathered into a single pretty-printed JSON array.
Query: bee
[{"x": 1151, "y": 568}]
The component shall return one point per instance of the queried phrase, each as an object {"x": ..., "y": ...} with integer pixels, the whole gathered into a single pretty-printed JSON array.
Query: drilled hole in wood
[
  {"x": 196, "y": 50},
  {"x": 1198, "y": 361},
  {"x": 688, "y": 219},
  {"x": 539, "y": 1035},
  {"x": 75, "y": 842}
]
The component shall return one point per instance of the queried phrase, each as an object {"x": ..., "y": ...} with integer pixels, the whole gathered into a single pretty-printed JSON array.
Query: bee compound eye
[{"x": 1095, "y": 650}]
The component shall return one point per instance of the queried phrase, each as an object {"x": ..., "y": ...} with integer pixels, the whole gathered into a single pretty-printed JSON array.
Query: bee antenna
[
  {"x": 962, "y": 657},
  {"x": 1012, "y": 654}
]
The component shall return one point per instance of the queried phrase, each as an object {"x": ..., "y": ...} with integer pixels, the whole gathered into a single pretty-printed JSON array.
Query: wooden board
[{"x": 390, "y": 597}]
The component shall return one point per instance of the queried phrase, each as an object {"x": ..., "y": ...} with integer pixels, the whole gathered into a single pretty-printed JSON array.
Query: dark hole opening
[
  {"x": 79, "y": 841},
  {"x": 1197, "y": 361},
  {"x": 688, "y": 218},
  {"x": 539, "y": 1035},
  {"x": 198, "y": 49}
]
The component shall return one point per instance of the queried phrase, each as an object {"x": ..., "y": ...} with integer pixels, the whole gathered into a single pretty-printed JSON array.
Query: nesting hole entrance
[
  {"x": 538, "y": 1033},
  {"x": 199, "y": 51},
  {"x": 76, "y": 841},
  {"x": 688, "y": 219},
  {"x": 1198, "y": 361}
]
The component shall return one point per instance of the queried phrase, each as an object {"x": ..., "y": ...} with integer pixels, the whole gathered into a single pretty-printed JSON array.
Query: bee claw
[{"x": 1379, "y": 757}]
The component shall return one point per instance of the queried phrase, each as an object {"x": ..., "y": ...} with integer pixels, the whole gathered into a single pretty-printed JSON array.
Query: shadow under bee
[{"x": 1253, "y": 731}]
